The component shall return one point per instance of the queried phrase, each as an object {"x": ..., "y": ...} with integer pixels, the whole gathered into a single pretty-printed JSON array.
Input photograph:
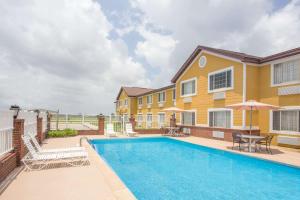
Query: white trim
[
  {"x": 151, "y": 99},
  {"x": 139, "y": 102},
  {"x": 189, "y": 80},
  {"x": 164, "y": 91},
  {"x": 272, "y": 73},
  {"x": 220, "y": 71},
  {"x": 221, "y": 56},
  {"x": 220, "y": 109},
  {"x": 244, "y": 93},
  {"x": 287, "y": 108},
  {"x": 191, "y": 110}
]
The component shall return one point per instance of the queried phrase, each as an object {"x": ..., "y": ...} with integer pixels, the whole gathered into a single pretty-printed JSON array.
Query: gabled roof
[
  {"x": 235, "y": 55},
  {"x": 133, "y": 91}
]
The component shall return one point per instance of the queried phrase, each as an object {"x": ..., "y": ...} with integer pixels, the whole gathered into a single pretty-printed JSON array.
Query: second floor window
[
  {"x": 188, "y": 118},
  {"x": 174, "y": 95},
  {"x": 286, "y": 72},
  {"x": 220, "y": 80},
  {"x": 126, "y": 102},
  {"x": 149, "y": 99},
  {"x": 140, "y": 100},
  {"x": 162, "y": 97},
  {"x": 188, "y": 87}
]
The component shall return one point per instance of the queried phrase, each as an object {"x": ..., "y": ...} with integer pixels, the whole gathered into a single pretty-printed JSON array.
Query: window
[
  {"x": 286, "y": 120},
  {"x": 126, "y": 102},
  {"x": 286, "y": 72},
  {"x": 149, "y": 99},
  {"x": 162, "y": 97},
  {"x": 174, "y": 95},
  {"x": 149, "y": 120},
  {"x": 188, "y": 118},
  {"x": 139, "y": 120},
  {"x": 188, "y": 87},
  {"x": 220, "y": 80},
  {"x": 220, "y": 119},
  {"x": 161, "y": 120},
  {"x": 126, "y": 119},
  {"x": 140, "y": 100}
]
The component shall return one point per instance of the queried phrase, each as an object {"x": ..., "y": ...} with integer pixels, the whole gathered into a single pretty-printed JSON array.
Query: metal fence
[
  {"x": 77, "y": 122},
  {"x": 118, "y": 122},
  {"x": 150, "y": 121},
  {"x": 6, "y": 131}
]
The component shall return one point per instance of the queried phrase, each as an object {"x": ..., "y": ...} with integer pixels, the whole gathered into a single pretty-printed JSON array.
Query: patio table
[{"x": 252, "y": 139}]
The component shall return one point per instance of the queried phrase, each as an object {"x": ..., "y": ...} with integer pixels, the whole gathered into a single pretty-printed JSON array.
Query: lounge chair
[
  {"x": 34, "y": 158},
  {"x": 40, "y": 150},
  {"x": 266, "y": 142},
  {"x": 110, "y": 130},
  {"x": 129, "y": 131},
  {"x": 237, "y": 139}
]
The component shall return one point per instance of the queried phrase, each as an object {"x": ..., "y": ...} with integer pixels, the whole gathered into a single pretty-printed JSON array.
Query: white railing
[
  {"x": 6, "y": 140},
  {"x": 30, "y": 128},
  {"x": 152, "y": 121}
]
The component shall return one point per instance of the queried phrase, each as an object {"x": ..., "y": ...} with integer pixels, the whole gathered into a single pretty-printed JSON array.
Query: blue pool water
[{"x": 164, "y": 168}]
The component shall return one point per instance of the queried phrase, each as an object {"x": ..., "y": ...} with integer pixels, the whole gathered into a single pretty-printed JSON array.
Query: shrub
[{"x": 63, "y": 133}]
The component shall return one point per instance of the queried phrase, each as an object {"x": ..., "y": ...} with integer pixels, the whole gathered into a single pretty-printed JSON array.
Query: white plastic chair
[
  {"x": 34, "y": 158},
  {"x": 110, "y": 130},
  {"x": 129, "y": 131}
]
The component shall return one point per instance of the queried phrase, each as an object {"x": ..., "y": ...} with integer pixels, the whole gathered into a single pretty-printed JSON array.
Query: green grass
[{"x": 63, "y": 133}]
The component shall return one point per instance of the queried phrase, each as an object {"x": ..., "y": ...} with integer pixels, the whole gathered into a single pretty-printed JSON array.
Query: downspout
[{"x": 244, "y": 93}]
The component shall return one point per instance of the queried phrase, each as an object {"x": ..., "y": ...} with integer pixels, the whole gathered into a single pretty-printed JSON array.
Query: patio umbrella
[
  {"x": 174, "y": 110},
  {"x": 252, "y": 105}
]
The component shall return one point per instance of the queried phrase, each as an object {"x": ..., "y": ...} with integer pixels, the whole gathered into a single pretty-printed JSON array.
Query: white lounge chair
[
  {"x": 40, "y": 150},
  {"x": 129, "y": 131},
  {"x": 110, "y": 130},
  {"x": 34, "y": 158}
]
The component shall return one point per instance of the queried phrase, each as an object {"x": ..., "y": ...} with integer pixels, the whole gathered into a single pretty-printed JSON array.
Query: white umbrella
[
  {"x": 173, "y": 109},
  {"x": 252, "y": 105}
]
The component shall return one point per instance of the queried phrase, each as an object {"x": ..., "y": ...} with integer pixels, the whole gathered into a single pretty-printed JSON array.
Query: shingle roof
[
  {"x": 133, "y": 91},
  {"x": 236, "y": 55}
]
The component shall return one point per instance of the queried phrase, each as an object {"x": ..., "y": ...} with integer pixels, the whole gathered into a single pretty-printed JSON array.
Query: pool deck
[{"x": 97, "y": 180}]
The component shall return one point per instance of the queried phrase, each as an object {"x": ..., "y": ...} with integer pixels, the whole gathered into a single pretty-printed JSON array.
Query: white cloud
[{"x": 56, "y": 54}]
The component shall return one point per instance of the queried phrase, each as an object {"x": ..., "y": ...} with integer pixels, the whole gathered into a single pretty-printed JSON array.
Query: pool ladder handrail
[{"x": 86, "y": 138}]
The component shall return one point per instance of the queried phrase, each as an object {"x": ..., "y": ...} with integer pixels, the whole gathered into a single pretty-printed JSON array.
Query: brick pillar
[
  {"x": 18, "y": 144},
  {"x": 101, "y": 124},
  {"x": 173, "y": 121},
  {"x": 132, "y": 121},
  {"x": 39, "y": 128}
]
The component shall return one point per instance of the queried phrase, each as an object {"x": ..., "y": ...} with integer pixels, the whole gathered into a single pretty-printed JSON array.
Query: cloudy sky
[{"x": 74, "y": 55}]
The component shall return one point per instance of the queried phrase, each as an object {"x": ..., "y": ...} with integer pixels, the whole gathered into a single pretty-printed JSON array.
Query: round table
[{"x": 252, "y": 138}]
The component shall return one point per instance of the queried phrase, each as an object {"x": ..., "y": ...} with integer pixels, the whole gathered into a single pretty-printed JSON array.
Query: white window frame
[
  {"x": 296, "y": 108},
  {"x": 272, "y": 73},
  {"x": 158, "y": 118},
  {"x": 158, "y": 94},
  {"x": 139, "y": 101},
  {"x": 185, "y": 81},
  {"x": 150, "y": 98},
  {"x": 147, "y": 122},
  {"x": 217, "y": 72},
  {"x": 126, "y": 102},
  {"x": 173, "y": 94},
  {"x": 194, "y": 111},
  {"x": 220, "y": 109},
  {"x": 140, "y": 123}
]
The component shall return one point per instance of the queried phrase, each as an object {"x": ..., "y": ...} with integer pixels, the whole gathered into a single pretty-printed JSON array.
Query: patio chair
[
  {"x": 40, "y": 150},
  {"x": 129, "y": 131},
  {"x": 266, "y": 142},
  {"x": 34, "y": 158},
  {"x": 110, "y": 132},
  {"x": 237, "y": 139}
]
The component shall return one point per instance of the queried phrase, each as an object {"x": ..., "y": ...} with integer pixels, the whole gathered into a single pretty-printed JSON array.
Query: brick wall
[{"x": 8, "y": 163}]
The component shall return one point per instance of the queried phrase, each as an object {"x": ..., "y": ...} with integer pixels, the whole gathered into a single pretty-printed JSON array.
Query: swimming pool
[{"x": 164, "y": 168}]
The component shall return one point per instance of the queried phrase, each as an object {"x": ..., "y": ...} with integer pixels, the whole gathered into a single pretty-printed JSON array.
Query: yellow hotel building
[{"x": 212, "y": 79}]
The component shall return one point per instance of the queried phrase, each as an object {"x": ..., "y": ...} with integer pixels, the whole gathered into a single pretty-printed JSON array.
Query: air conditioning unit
[
  {"x": 161, "y": 105},
  {"x": 218, "y": 134},
  {"x": 139, "y": 106},
  {"x": 289, "y": 90},
  {"x": 219, "y": 95},
  {"x": 288, "y": 140},
  {"x": 187, "y": 100},
  {"x": 149, "y": 106}
]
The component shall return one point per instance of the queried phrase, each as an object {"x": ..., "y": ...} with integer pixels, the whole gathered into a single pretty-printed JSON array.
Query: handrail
[{"x": 80, "y": 142}]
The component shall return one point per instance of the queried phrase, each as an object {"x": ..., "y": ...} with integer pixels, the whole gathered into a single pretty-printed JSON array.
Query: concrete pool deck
[{"x": 97, "y": 180}]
